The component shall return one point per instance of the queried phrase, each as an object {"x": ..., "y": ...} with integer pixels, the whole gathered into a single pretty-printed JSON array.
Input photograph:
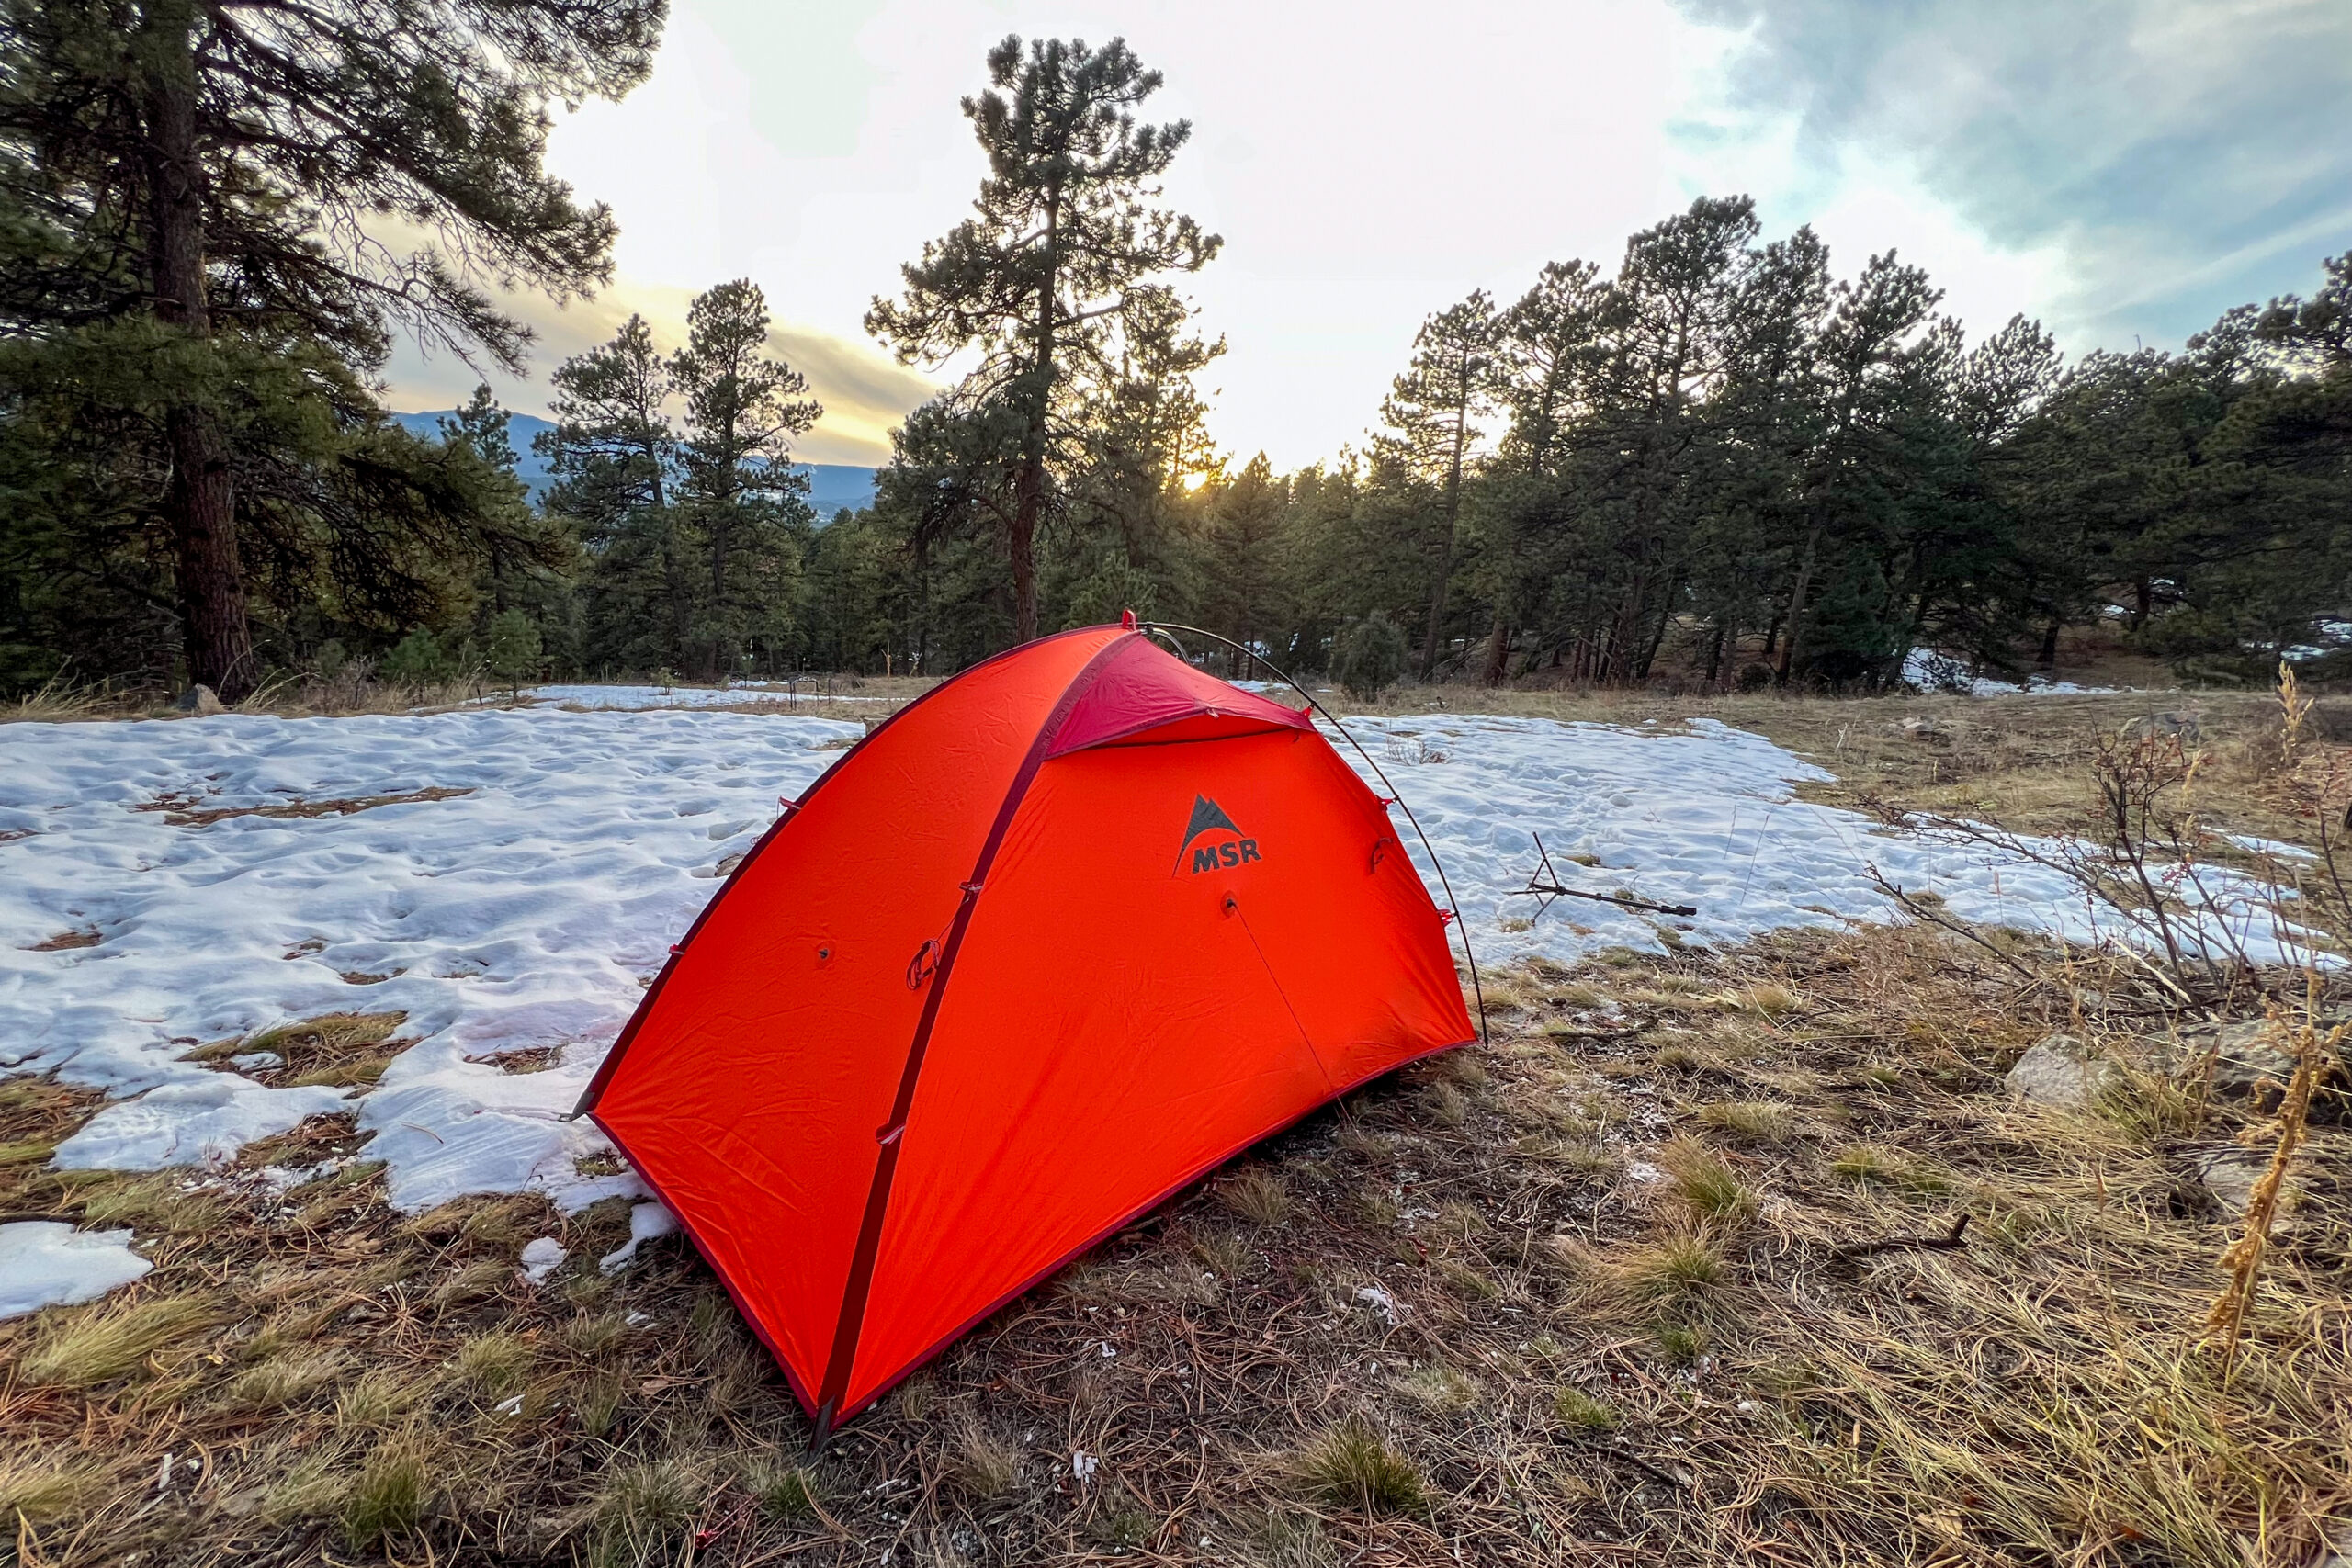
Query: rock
[
  {"x": 2058, "y": 1070},
  {"x": 199, "y": 701},
  {"x": 2182, "y": 727},
  {"x": 2248, "y": 1064},
  {"x": 2227, "y": 1172}
]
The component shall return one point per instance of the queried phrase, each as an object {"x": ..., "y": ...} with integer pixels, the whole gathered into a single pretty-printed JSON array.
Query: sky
[{"x": 2122, "y": 170}]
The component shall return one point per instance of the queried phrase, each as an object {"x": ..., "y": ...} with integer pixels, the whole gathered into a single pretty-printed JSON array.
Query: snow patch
[
  {"x": 646, "y": 1222},
  {"x": 1704, "y": 816},
  {"x": 48, "y": 1263},
  {"x": 542, "y": 1258},
  {"x": 639, "y": 699},
  {"x": 1932, "y": 672},
  {"x": 528, "y": 912}
]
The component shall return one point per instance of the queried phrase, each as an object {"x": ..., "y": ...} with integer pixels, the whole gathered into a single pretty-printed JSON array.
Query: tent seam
[
  {"x": 849, "y": 1327},
  {"x": 621, "y": 1042}
]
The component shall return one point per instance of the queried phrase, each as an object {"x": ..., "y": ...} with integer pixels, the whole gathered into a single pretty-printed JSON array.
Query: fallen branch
[{"x": 1554, "y": 889}]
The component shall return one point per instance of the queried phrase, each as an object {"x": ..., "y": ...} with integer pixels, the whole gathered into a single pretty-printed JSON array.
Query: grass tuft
[
  {"x": 984, "y": 1464},
  {"x": 1752, "y": 1120},
  {"x": 1351, "y": 1466},
  {"x": 100, "y": 1344},
  {"x": 1876, "y": 1165},
  {"x": 786, "y": 1492},
  {"x": 39, "y": 1488},
  {"x": 1577, "y": 1408},
  {"x": 494, "y": 1363},
  {"x": 1257, "y": 1196},
  {"x": 1440, "y": 1388},
  {"x": 286, "y": 1378},
  {"x": 379, "y": 1396},
  {"x": 645, "y": 1503},
  {"x": 1706, "y": 1184},
  {"x": 389, "y": 1496}
]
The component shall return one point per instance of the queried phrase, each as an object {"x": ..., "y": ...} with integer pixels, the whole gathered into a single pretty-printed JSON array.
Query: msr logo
[{"x": 1231, "y": 847}]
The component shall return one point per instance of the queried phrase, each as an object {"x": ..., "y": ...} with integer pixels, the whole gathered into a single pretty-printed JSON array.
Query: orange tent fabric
[{"x": 1055, "y": 940}]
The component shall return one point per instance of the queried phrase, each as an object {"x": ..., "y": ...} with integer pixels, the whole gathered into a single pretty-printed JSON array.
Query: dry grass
[
  {"x": 340, "y": 1050},
  {"x": 98, "y": 1344},
  {"x": 1713, "y": 1365}
]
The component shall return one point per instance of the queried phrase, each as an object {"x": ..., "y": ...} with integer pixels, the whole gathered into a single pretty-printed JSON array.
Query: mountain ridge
[{"x": 832, "y": 487}]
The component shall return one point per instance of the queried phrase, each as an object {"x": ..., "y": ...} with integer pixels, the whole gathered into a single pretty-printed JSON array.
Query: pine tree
[
  {"x": 741, "y": 495},
  {"x": 614, "y": 459},
  {"x": 221, "y": 171},
  {"x": 1245, "y": 520},
  {"x": 1064, "y": 247},
  {"x": 1432, "y": 408}
]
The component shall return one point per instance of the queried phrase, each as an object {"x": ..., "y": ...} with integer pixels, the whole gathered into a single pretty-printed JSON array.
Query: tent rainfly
[{"x": 1052, "y": 942}]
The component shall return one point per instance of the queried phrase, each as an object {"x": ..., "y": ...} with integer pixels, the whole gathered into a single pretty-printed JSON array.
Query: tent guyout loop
[{"x": 1150, "y": 927}]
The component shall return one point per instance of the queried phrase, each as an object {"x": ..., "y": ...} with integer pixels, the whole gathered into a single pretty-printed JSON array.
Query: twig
[
  {"x": 1925, "y": 913},
  {"x": 1556, "y": 891},
  {"x": 1948, "y": 1242}
]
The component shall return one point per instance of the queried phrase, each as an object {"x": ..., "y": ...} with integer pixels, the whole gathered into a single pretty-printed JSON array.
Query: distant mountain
[
  {"x": 529, "y": 467},
  {"x": 832, "y": 487}
]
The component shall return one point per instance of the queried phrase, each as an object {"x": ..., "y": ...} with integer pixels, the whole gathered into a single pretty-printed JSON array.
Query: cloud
[
  {"x": 2113, "y": 166},
  {"x": 864, "y": 392},
  {"x": 2164, "y": 159}
]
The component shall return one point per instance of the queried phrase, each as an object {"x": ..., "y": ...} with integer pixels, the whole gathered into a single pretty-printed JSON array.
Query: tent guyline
[
  {"x": 1051, "y": 944},
  {"x": 1543, "y": 886},
  {"x": 1453, "y": 905}
]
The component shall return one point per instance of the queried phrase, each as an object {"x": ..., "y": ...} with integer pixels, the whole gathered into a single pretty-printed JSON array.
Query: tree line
[{"x": 1720, "y": 458}]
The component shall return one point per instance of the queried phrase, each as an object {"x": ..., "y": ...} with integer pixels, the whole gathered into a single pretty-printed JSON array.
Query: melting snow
[
  {"x": 544, "y": 1256},
  {"x": 530, "y": 912},
  {"x": 48, "y": 1263},
  {"x": 646, "y": 1222},
  {"x": 636, "y": 699},
  {"x": 526, "y": 913}
]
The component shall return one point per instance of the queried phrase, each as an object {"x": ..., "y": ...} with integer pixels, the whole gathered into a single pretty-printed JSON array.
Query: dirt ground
[{"x": 1737, "y": 1258}]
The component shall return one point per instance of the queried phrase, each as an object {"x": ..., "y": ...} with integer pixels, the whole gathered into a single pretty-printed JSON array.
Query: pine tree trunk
[
  {"x": 1797, "y": 605},
  {"x": 1431, "y": 646},
  {"x": 1021, "y": 541},
  {"x": 200, "y": 501},
  {"x": 1497, "y": 648}
]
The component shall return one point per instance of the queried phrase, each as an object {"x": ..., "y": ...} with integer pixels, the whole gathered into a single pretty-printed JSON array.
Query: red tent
[{"x": 1055, "y": 940}]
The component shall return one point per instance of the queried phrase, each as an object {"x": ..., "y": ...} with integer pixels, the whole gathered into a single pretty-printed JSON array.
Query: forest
[{"x": 1720, "y": 457}]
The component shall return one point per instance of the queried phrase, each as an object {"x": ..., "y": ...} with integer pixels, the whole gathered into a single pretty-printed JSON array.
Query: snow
[
  {"x": 48, "y": 1263},
  {"x": 638, "y": 699},
  {"x": 1700, "y": 814},
  {"x": 526, "y": 913},
  {"x": 542, "y": 1258},
  {"x": 202, "y": 1121},
  {"x": 1933, "y": 672},
  {"x": 2269, "y": 847},
  {"x": 646, "y": 1222},
  {"x": 530, "y": 912}
]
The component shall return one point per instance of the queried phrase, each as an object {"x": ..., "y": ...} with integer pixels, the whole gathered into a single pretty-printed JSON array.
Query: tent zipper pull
[{"x": 887, "y": 1136}]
